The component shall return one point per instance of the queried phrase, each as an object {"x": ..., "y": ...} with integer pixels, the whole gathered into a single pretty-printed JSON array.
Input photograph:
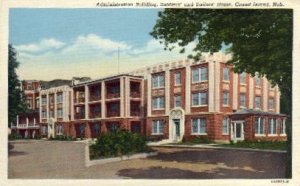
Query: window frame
[
  {"x": 199, "y": 123},
  {"x": 200, "y": 74},
  {"x": 260, "y": 106},
  {"x": 157, "y": 82},
  {"x": 227, "y": 126},
  {"x": 227, "y": 70},
  {"x": 157, "y": 101},
  {"x": 176, "y": 78},
  {"x": 200, "y": 99},
  {"x": 228, "y": 99},
  {"x": 271, "y": 108},
  {"x": 243, "y": 76},
  {"x": 176, "y": 101},
  {"x": 283, "y": 127},
  {"x": 271, "y": 125},
  {"x": 158, "y": 126},
  {"x": 240, "y": 96},
  {"x": 258, "y": 123}
]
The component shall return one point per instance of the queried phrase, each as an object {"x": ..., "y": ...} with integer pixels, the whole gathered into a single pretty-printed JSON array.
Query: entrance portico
[
  {"x": 176, "y": 124},
  {"x": 237, "y": 130}
]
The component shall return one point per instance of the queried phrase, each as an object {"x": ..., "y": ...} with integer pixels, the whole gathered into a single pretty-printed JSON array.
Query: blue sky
[{"x": 63, "y": 43}]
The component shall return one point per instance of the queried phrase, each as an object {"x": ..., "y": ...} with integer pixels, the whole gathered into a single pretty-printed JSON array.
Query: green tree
[
  {"x": 16, "y": 102},
  {"x": 260, "y": 40}
]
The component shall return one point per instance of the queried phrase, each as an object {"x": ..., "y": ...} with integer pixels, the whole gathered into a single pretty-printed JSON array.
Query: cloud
[{"x": 43, "y": 45}]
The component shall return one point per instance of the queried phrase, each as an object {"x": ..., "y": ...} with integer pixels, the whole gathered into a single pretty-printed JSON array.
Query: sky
[{"x": 66, "y": 43}]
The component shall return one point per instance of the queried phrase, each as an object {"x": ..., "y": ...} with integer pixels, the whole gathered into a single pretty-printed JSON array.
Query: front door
[{"x": 176, "y": 128}]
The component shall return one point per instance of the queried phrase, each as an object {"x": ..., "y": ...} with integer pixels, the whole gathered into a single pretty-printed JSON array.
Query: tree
[
  {"x": 16, "y": 102},
  {"x": 260, "y": 40}
]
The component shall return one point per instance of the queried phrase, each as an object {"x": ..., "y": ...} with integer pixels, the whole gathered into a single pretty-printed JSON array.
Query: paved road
[{"x": 47, "y": 159}]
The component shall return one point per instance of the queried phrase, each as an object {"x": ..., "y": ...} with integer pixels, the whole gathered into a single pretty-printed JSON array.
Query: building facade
[{"x": 168, "y": 102}]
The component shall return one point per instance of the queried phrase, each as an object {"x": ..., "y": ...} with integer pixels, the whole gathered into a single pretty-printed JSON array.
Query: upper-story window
[
  {"x": 158, "y": 81},
  {"x": 44, "y": 114},
  {"x": 199, "y": 74},
  {"x": 177, "y": 101},
  {"x": 29, "y": 86},
  {"x": 257, "y": 80},
  {"x": 225, "y": 74},
  {"x": 225, "y": 98},
  {"x": 44, "y": 100},
  {"x": 177, "y": 78},
  {"x": 59, "y": 97},
  {"x": 199, "y": 98},
  {"x": 242, "y": 100},
  {"x": 158, "y": 102},
  {"x": 243, "y": 78},
  {"x": 59, "y": 113},
  {"x": 257, "y": 102},
  {"x": 29, "y": 102},
  {"x": 271, "y": 104}
]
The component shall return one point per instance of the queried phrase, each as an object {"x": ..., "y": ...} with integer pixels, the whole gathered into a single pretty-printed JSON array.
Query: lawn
[{"x": 274, "y": 145}]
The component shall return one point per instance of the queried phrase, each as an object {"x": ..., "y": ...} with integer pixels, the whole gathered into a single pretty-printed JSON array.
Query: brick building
[{"x": 170, "y": 102}]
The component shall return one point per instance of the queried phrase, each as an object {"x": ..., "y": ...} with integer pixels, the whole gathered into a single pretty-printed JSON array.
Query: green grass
[{"x": 273, "y": 145}]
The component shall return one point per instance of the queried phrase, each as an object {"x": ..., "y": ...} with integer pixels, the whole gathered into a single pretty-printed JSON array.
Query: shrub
[
  {"x": 62, "y": 138},
  {"x": 14, "y": 136},
  {"x": 117, "y": 143}
]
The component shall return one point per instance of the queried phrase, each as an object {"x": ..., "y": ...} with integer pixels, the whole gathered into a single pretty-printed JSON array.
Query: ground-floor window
[
  {"x": 112, "y": 127},
  {"x": 157, "y": 127},
  {"x": 81, "y": 130},
  {"x": 259, "y": 125},
  {"x": 59, "y": 129},
  {"x": 199, "y": 126},
  {"x": 96, "y": 129},
  {"x": 44, "y": 130},
  {"x": 282, "y": 127},
  {"x": 272, "y": 126},
  {"x": 135, "y": 127},
  {"x": 225, "y": 125}
]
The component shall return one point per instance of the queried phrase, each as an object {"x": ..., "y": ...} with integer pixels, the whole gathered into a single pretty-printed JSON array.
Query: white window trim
[
  {"x": 199, "y": 124},
  {"x": 257, "y": 108},
  {"x": 159, "y": 108},
  {"x": 243, "y": 84},
  {"x": 200, "y": 105},
  {"x": 227, "y": 104},
  {"x": 227, "y": 119},
  {"x": 199, "y": 77},
  {"x": 226, "y": 81},
  {"x": 175, "y": 101},
  {"x": 272, "y": 125},
  {"x": 158, "y": 122},
  {"x": 259, "y": 134},
  {"x": 284, "y": 128},
  {"x": 158, "y": 83},
  {"x": 175, "y": 82}
]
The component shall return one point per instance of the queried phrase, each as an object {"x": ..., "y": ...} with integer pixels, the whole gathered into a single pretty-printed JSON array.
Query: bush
[
  {"x": 14, "y": 136},
  {"x": 197, "y": 140},
  {"x": 62, "y": 138},
  {"x": 118, "y": 143}
]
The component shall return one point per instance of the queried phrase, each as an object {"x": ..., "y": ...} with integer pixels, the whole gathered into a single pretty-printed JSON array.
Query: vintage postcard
[{"x": 131, "y": 92}]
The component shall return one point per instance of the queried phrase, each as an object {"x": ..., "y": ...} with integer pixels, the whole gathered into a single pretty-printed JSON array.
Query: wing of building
[{"x": 166, "y": 102}]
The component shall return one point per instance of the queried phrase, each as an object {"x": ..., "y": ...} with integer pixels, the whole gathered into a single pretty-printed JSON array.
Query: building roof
[
  {"x": 55, "y": 83},
  {"x": 255, "y": 112}
]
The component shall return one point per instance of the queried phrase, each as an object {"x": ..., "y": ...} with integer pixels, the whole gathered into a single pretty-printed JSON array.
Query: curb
[
  {"x": 218, "y": 147},
  {"x": 89, "y": 162}
]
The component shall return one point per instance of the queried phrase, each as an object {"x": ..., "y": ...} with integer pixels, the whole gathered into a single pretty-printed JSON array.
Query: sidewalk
[{"x": 216, "y": 146}]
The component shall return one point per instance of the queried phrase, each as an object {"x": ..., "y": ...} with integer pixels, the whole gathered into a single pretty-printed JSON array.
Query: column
[
  {"x": 33, "y": 101},
  {"x": 72, "y": 105},
  {"x": 47, "y": 111},
  {"x": 277, "y": 102},
  {"x": 17, "y": 121},
  {"x": 86, "y": 101},
  {"x": 34, "y": 122},
  {"x": 235, "y": 91},
  {"x": 188, "y": 89},
  {"x": 142, "y": 97},
  {"x": 211, "y": 86},
  {"x": 103, "y": 99},
  {"x": 217, "y": 86},
  {"x": 122, "y": 99},
  {"x": 40, "y": 107},
  {"x": 27, "y": 122},
  {"x": 55, "y": 104},
  {"x": 127, "y": 97},
  {"x": 149, "y": 95},
  {"x": 167, "y": 91},
  {"x": 251, "y": 93}
]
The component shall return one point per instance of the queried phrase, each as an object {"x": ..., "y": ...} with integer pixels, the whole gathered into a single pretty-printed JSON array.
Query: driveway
[{"x": 54, "y": 159}]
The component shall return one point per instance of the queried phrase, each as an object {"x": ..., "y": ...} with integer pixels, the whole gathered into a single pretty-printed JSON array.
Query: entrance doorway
[
  {"x": 176, "y": 128},
  {"x": 237, "y": 131}
]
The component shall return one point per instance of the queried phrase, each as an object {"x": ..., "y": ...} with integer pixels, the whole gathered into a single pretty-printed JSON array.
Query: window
[
  {"x": 282, "y": 127},
  {"x": 158, "y": 102},
  {"x": 112, "y": 127},
  {"x": 44, "y": 114},
  {"x": 257, "y": 80},
  {"x": 199, "y": 126},
  {"x": 225, "y": 98},
  {"x": 272, "y": 126},
  {"x": 199, "y": 74},
  {"x": 225, "y": 74},
  {"x": 59, "y": 129},
  {"x": 177, "y": 100},
  {"x": 29, "y": 102},
  {"x": 29, "y": 86},
  {"x": 243, "y": 78},
  {"x": 199, "y": 98},
  {"x": 59, "y": 113},
  {"x": 257, "y": 102},
  {"x": 44, "y": 130},
  {"x": 225, "y": 125},
  {"x": 157, "y": 127},
  {"x": 158, "y": 81},
  {"x": 51, "y": 114},
  {"x": 51, "y": 99},
  {"x": 242, "y": 100},
  {"x": 96, "y": 129},
  {"x": 271, "y": 103},
  {"x": 177, "y": 78},
  {"x": 259, "y": 125},
  {"x": 44, "y": 100},
  {"x": 59, "y": 97}
]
